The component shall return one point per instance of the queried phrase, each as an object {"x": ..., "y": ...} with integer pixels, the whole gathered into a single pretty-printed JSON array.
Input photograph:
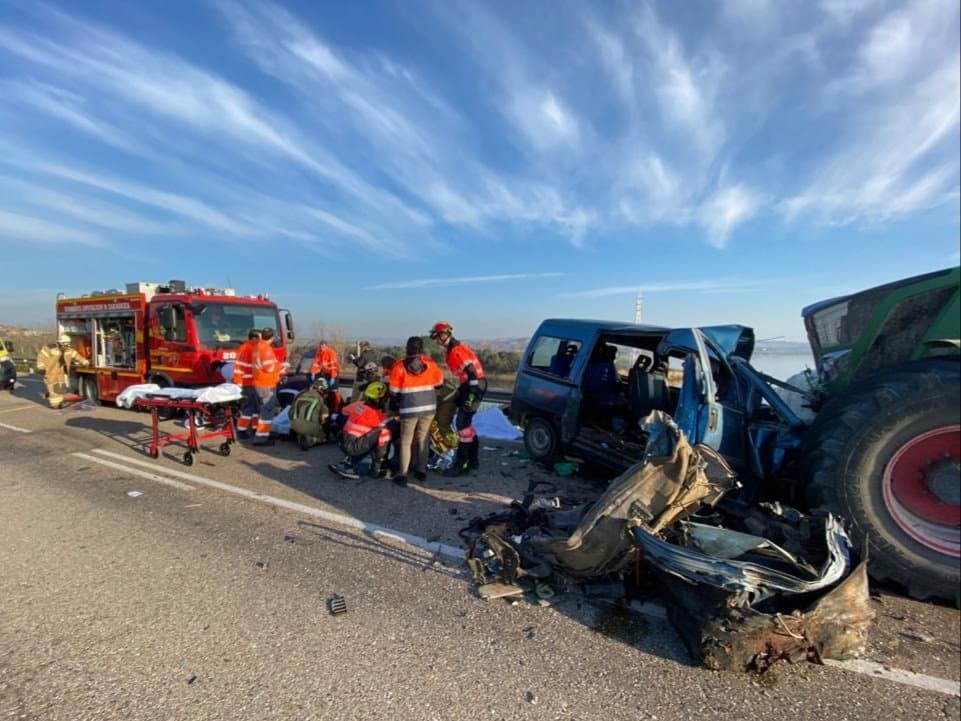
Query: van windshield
[{"x": 225, "y": 325}]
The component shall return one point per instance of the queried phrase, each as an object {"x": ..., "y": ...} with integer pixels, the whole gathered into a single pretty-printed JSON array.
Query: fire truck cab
[{"x": 169, "y": 334}]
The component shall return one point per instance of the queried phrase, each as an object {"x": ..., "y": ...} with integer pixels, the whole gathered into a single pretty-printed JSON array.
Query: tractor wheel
[
  {"x": 885, "y": 457},
  {"x": 541, "y": 440}
]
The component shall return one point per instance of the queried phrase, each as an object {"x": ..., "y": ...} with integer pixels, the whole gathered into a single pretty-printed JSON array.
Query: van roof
[{"x": 607, "y": 326}]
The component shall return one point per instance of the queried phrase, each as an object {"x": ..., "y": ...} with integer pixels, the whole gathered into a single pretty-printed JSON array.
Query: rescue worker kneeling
[
  {"x": 366, "y": 432},
  {"x": 309, "y": 415},
  {"x": 55, "y": 364}
]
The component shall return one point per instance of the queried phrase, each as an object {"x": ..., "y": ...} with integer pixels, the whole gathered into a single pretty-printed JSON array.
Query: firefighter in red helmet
[{"x": 464, "y": 364}]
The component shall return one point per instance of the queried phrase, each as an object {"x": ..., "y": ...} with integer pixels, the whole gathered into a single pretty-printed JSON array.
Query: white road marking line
[
  {"x": 16, "y": 408},
  {"x": 337, "y": 518},
  {"x": 18, "y": 429},
  {"x": 133, "y": 471},
  {"x": 910, "y": 678},
  {"x": 868, "y": 668}
]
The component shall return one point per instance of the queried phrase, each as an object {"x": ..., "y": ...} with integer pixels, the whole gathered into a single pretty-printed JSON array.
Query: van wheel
[{"x": 540, "y": 440}]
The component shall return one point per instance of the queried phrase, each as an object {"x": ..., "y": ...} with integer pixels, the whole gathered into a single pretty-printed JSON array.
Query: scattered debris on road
[
  {"x": 336, "y": 605},
  {"x": 745, "y": 587}
]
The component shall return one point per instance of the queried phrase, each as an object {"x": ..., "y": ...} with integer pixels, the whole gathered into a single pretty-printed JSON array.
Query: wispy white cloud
[
  {"x": 179, "y": 92},
  {"x": 186, "y": 207},
  {"x": 702, "y": 286},
  {"x": 844, "y": 12},
  {"x": 543, "y": 118},
  {"x": 82, "y": 208},
  {"x": 68, "y": 107},
  {"x": 899, "y": 154},
  {"x": 725, "y": 210},
  {"x": 687, "y": 91},
  {"x": 18, "y": 228},
  {"x": 468, "y": 280},
  {"x": 638, "y": 122}
]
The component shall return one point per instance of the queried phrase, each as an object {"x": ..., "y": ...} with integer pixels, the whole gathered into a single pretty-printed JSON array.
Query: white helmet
[{"x": 63, "y": 339}]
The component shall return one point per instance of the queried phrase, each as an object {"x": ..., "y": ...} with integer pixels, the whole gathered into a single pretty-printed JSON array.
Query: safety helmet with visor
[
  {"x": 376, "y": 391},
  {"x": 63, "y": 339},
  {"x": 441, "y": 328}
]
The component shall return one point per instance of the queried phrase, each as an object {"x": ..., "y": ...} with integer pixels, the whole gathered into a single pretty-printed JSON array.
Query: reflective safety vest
[
  {"x": 415, "y": 388},
  {"x": 244, "y": 364},
  {"x": 464, "y": 364},
  {"x": 325, "y": 362},
  {"x": 266, "y": 367},
  {"x": 362, "y": 419}
]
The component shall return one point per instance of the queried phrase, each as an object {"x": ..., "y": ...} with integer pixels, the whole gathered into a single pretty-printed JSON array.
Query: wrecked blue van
[{"x": 583, "y": 386}]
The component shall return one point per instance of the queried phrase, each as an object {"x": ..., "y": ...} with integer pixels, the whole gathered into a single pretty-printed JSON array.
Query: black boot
[
  {"x": 473, "y": 453},
  {"x": 459, "y": 466}
]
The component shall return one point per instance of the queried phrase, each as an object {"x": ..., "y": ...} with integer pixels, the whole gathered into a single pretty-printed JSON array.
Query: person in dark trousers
[
  {"x": 244, "y": 377},
  {"x": 365, "y": 432},
  {"x": 467, "y": 368},
  {"x": 266, "y": 374},
  {"x": 413, "y": 384}
]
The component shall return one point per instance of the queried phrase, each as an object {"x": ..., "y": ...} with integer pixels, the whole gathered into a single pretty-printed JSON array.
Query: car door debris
[{"x": 743, "y": 587}]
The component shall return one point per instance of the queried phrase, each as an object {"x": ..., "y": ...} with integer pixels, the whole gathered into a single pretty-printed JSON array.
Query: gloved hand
[{"x": 352, "y": 357}]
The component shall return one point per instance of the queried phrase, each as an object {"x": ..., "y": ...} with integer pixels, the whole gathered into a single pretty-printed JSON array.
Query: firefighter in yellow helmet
[{"x": 54, "y": 364}]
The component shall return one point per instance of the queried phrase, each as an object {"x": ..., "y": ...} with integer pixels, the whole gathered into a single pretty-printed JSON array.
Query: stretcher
[
  {"x": 205, "y": 420},
  {"x": 209, "y": 414}
]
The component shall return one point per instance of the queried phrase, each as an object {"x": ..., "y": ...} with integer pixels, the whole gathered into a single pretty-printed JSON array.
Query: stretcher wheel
[
  {"x": 153, "y": 453},
  {"x": 188, "y": 458},
  {"x": 225, "y": 449}
]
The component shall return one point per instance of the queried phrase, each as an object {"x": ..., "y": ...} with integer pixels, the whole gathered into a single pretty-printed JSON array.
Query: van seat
[{"x": 646, "y": 392}]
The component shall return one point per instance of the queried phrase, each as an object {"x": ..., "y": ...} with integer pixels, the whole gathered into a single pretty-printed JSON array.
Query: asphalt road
[{"x": 204, "y": 597}]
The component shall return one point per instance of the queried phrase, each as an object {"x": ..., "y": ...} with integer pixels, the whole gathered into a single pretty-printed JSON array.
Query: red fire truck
[{"x": 168, "y": 333}]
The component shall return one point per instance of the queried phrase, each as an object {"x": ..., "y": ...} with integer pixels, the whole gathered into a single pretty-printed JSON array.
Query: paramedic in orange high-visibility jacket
[
  {"x": 244, "y": 377},
  {"x": 267, "y": 370},
  {"x": 366, "y": 431},
  {"x": 464, "y": 364},
  {"x": 326, "y": 364},
  {"x": 413, "y": 386}
]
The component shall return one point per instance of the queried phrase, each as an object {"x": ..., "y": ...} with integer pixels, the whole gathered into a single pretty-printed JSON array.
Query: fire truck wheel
[
  {"x": 188, "y": 458},
  {"x": 89, "y": 389},
  {"x": 225, "y": 449}
]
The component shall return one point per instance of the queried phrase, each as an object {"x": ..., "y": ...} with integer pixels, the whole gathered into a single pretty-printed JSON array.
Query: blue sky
[{"x": 377, "y": 166}]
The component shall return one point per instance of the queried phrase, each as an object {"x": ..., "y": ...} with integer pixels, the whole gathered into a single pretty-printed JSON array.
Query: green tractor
[{"x": 883, "y": 450}]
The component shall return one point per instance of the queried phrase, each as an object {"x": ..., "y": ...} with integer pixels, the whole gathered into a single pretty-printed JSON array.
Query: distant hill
[{"x": 26, "y": 342}]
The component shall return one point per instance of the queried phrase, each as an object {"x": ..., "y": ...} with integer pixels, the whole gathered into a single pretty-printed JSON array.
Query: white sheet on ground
[
  {"x": 492, "y": 423},
  {"x": 281, "y": 422},
  {"x": 223, "y": 393}
]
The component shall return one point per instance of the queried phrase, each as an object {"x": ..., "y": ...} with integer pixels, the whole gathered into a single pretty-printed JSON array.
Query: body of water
[{"x": 782, "y": 365}]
